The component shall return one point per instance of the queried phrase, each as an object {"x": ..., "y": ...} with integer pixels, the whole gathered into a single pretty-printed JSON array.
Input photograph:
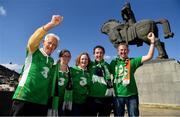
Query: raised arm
[
  {"x": 150, "y": 54},
  {"x": 35, "y": 39}
]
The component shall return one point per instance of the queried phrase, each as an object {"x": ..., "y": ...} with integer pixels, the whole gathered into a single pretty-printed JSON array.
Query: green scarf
[
  {"x": 107, "y": 75},
  {"x": 102, "y": 65},
  {"x": 68, "y": 96},
  {"x": 54, "y": 94}
]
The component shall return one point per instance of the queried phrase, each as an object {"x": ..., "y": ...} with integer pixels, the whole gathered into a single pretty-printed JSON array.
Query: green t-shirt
[
  {"x": 81, "y": 82},
  {"x": 119, "y": 71},
  {"x": 98, "y": 87},
  {"x": 35, "y": 80}
]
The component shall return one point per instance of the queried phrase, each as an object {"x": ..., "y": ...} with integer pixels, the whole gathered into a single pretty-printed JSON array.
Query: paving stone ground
[
  {"x": 157, "y": 112},
  {"x": 151, "y": 111}
]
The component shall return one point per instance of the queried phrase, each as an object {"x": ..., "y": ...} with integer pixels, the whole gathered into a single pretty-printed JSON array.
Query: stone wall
[{"x": 158, "y": 82}]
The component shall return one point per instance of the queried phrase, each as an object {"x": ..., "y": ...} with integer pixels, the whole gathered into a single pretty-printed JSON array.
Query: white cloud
[
  {"x": 2, "y": 11},
  {"x": 109, "y": 58},
  {"x": 15, "y": 67},
  {"x": 106, "y": 57}
]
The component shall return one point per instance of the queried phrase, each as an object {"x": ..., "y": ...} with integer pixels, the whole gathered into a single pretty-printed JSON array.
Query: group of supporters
[{"x": 92, "y": 88}]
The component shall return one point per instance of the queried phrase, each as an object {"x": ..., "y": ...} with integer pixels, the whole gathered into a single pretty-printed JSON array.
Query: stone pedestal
[{"x": 158, "y": 82}]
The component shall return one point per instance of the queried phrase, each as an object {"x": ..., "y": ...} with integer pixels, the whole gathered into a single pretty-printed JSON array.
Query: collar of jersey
[
  {"x": 121, "y": 59},
  {"x": 64, "y": 71},
  {"x": 99, "y": 62},
  {"x": 82, "y": 68},
  {"x": 44, "y": 53}
]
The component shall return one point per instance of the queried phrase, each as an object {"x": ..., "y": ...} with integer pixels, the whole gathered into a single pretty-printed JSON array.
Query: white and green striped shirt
[{"x": 34, "y": 85}]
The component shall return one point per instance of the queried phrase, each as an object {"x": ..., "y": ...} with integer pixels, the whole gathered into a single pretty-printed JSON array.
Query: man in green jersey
[
  {"x": 32, "y": 93},
  {"x": 123, "y": 69},
  {"x": 99, "y": 100}
]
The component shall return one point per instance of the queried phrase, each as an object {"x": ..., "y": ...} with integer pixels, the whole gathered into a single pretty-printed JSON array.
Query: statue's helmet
[{"x": 126, "y": 11}]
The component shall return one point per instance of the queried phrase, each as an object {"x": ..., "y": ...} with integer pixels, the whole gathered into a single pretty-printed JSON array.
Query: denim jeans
[{"x": 131, "y": 102}]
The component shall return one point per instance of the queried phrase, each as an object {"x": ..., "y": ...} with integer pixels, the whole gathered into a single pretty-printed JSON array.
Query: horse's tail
[{"x": 166, "y": 28}]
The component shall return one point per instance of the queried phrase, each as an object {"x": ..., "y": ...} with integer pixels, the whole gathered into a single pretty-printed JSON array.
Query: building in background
[{"x": 8, "y": 83}]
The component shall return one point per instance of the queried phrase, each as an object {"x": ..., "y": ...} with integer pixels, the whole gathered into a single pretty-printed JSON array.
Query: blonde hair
[{"x": 123, "y": 43}]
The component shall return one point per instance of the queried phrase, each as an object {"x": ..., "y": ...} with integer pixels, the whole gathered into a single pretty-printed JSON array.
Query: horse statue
[{"x": 133, "y": 32}]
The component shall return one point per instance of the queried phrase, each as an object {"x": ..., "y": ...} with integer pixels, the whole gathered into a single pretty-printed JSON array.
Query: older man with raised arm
[{"x": 32, "y": 93}]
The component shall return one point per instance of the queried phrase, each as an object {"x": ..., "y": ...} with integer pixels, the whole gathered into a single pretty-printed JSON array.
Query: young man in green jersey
[
  {"x": 32, "y": 93},
  {"x": 99, "y": 100},
  {"x": 123, "y": 69}
]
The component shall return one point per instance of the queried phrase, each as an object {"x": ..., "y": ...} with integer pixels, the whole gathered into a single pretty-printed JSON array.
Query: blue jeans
[{"x": 131, "y": 102}]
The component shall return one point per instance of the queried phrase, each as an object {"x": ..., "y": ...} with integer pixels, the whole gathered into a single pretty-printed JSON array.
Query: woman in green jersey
[
  {"x": 62, "y": 83},
  {"x": 81, "y": 80}
]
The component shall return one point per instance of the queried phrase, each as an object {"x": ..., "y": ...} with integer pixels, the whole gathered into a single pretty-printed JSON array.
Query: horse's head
[
  {"x": 109, "y": 25},
  {"x": 110, "y": 28}
]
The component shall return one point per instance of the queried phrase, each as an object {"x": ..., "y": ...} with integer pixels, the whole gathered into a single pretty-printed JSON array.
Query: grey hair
[{"x": 52, "y": 34}]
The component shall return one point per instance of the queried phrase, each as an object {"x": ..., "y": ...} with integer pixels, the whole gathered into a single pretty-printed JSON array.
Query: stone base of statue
[{"x": 158, "y": 82}]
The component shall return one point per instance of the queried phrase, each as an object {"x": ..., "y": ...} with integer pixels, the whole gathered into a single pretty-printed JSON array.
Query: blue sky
[{"x": 80, "y": 30}]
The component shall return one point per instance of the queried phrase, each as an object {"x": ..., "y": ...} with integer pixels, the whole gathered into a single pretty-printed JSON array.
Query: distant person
[
  {"x": 32, "y": 93},
  {"x": 125, "y": 87},
  {"x": 100, "y": 100},
  {"x": 81, "y": 82}
]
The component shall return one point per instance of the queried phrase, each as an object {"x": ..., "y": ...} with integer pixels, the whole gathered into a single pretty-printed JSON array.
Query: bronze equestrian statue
[{"x": 133, "y": 32}]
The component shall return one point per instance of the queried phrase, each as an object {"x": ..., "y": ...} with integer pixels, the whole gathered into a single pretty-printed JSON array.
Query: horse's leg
[
  {"x": 166, "y": 28},
  {"x": 162, "y": 54}
]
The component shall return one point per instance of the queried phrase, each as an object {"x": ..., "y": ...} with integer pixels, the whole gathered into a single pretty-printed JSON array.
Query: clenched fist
[
  {"x": 151, "y": 37},
  {"x": 56, "y": 19}
]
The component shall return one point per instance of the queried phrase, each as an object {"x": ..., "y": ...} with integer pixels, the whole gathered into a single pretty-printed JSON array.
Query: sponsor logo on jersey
[{"x": 45, "y": 72}]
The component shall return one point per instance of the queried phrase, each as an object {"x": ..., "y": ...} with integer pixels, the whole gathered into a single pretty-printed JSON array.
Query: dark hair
[
  {"x": 61, "y": 53},
  {"x": 64, "y": 51},
  {"x": 99, "y": 46},
  {"x": 79, "y": 57}
]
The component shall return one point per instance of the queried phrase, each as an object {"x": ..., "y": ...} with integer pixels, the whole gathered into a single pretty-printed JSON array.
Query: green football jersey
[
  {"x": 62, "y": 83},
  {"x": 119, "y": 71},
  {"x": 98, "y": 86},
  {"x": 81, "y": 82},
  {"x": 35, "y": 79}
]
